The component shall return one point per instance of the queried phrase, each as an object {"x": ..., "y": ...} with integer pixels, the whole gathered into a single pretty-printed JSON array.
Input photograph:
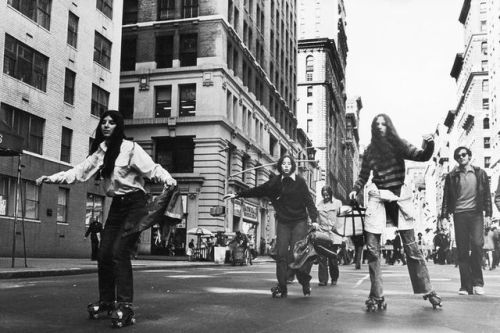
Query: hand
[
  {"x": 171, "y": 182},
  {"x": 42, "y": 179},
  {"x": 229, "y": 196},
  {"x": 428, "y": 137},
  {"x": 315, "y": 226},
  {"x": 353, "y": 195}
]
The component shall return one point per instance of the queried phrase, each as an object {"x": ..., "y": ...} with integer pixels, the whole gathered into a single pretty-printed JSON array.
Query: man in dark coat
[{"x": 94, "y": 228}]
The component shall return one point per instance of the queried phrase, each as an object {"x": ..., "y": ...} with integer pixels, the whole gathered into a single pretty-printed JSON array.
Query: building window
[
  {"x": 486, "y": 123},
  {"x": 28, "y": 126},
  {"x": 187, "y": 100},
  {"x": 309, "y": 125},
  {"x": 8, "y": 197},
  {"x": 100, "y": 100},
  {"x": 486, "y": 103},
  {"x": 486, "y": 86},
  {"x": 487, "y": 161},
  {"x": 69, "y": 86},
  {"x": 175, "y": 154},
  {"x": 106, "y": 7},
  {"x": 126, "y": 103},
  {"x": 484, "y": 65},
  {"x": 31, "y": 205},
  {"x": 66, "y": 137},
  {"x": 129, "y": 47},
  {"x": 62, "y": 205},
  {"x": 102, "y": 50},
  {"x": 484, "y": 47},
  {"x": 72, "y": 29},
  {"x": 487, "y": 143},
  {"x": 25, "y": 64},
  {"x": 164, "y": 51},
  {"x": 189, "y": 8},
  {"x": 188, "y": 52},
  {"x": 309, "y": 108},
  {"x": 166, "y": 10},
  {"x": 483, "y": 26},
  {"x": 130, "y": 11},
  {"x": 35, "y": 10},
  {"x": 163, "y": 105},
  {"x": 94, "y": 208},
  {"x": 309, "y": 91}
]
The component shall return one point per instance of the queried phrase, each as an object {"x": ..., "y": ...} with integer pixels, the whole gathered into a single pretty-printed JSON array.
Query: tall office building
[
  {"x": 321, "y": 89},
  {"x": 60, "y": 71},
  {"x": 208, "y": 89}
]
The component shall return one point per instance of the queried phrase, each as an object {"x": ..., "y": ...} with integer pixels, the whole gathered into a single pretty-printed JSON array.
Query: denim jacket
[{"x": 375, "y": 220}]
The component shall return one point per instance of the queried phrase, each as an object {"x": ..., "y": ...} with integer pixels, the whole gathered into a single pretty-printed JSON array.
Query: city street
[{"x": 230, "y": 299}]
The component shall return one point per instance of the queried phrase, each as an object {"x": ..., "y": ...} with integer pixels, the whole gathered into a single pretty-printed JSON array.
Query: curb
[{"x": 79, "y": 271}]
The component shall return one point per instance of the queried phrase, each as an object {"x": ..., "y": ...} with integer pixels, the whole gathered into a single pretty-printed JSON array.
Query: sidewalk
[{"x": 41, "y": 267}]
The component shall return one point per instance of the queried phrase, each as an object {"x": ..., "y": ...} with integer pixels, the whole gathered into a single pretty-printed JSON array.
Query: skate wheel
[
  {"x": 93, "y": 315},
  {"x": 117, "y": 324}
]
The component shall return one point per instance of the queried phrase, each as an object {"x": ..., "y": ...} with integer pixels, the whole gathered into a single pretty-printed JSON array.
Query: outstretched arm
[{"x": 421, "y": 155}]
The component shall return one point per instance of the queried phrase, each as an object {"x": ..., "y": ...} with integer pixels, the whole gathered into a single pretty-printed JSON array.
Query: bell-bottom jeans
[
  {"x": 114, "y": 266},
  {"x": 287, "y": 234}
]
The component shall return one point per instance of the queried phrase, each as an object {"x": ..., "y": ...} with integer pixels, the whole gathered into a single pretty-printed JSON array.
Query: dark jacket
[
  {"x": 94, "y": 228},
  {"x": 292, "y": 202},
  {"x": 450, "y": 192}
]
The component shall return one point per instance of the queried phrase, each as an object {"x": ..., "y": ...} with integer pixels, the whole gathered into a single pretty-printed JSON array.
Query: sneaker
[
  {"x": 463, "y": 292},
  {"x": 478, "y": 290}
]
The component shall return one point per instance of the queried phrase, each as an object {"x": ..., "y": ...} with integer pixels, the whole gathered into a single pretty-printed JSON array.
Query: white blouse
[{"x": 131, "y": 166}]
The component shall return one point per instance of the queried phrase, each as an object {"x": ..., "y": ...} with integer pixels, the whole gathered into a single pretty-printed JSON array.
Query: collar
[
  {"x": 468, "y": 168},
  {"x": 293, "y": 175}
]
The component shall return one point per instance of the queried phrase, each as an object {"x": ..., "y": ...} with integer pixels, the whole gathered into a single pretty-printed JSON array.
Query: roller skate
[
  {"x": 373, "y": 304},
  {"x": 306, "y": 289},
  {"x": 97, "y": 308},
  {"x": 279, "y": 291},
  {"x": 434, "y": 299},
  {"x": 123, "y": 315}
]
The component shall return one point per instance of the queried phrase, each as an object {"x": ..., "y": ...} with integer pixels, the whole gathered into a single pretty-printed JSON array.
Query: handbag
[
  {"x": 164, "y": 210},
  {"x": 350, "y": 220},
  {"x": 323, "y": 244},
  {"x": 303, "y": 252}
]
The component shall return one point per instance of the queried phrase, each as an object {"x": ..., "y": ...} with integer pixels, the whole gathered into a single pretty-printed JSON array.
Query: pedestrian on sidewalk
[
  {"x": 122, "y": 166},
  {"x": 292, "y": 201},
  {"x": 467, "y": 197},
  {"x": 95, "y": 228},
  {"x": 397, "y": 253},
  {"x": 385, "y": 157},
  {"x": 328, "y": 210}
]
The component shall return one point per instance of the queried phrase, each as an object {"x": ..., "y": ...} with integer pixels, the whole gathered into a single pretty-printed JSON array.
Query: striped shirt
[{"x": 392, "y": 174}]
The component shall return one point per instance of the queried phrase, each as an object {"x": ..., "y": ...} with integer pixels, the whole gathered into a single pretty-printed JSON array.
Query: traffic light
[{"x": 323, "y": 174}]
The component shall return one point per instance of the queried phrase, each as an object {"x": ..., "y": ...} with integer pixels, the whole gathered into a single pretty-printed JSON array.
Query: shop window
[{"x": 94, "y": 208}]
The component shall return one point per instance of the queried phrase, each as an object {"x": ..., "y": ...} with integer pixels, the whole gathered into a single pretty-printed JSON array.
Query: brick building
[
  {"x": 208, "y": 89},
  {"x": 60, "y": 70}
]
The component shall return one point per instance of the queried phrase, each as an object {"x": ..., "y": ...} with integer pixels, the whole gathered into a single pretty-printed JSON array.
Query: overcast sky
[{"x": 399, "y": 61}]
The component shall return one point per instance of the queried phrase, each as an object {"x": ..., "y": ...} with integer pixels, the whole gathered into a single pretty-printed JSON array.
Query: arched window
[{"x": 486, "y": 123}]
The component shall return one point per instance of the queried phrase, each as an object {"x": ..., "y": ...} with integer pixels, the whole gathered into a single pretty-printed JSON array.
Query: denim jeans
[
  {"x": 287, "y": 234},
  {"x": 328, "y": 264},
  {"x": 470, "y": 237},
  {"x": 417, "y": 268},
  {"x": 114, "y": 266}
]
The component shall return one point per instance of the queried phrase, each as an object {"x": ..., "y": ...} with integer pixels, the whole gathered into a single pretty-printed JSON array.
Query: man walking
[
  {"x": 466, "y": 196},
  {"x": 95, "y": 227}
]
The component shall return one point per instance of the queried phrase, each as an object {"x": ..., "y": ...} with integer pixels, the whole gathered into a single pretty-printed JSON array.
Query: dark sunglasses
[{"x": 463, "y": 155}]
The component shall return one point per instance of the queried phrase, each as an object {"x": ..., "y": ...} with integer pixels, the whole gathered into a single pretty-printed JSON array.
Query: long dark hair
[
  {"x": 280, "y": 161},
  {"x": 328, "y": 190},
  {"x": 383, "y": 148},
  {"x": 114, "y": 143}
]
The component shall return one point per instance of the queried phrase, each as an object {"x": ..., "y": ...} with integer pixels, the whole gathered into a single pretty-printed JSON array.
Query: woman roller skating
[
  {"x": 389, "y": 198},
  {"x": 293, "y": 203},
  {"x": 122, "y": 165}
]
